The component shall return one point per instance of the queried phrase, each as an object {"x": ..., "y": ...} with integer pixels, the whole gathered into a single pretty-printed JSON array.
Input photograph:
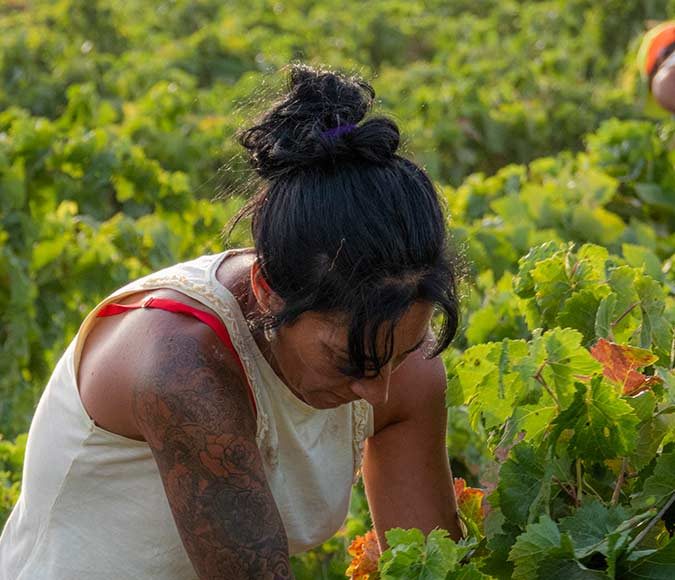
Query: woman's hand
[{"x": 406, "y": 470}]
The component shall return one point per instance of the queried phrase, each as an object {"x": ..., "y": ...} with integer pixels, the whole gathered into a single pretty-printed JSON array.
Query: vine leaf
[
  {"x": 590, "y": 526},
  {"x": 470, "y": 504},
  {"x": 409, "y": 556},
  {"x": 579, "y": 312},
  {"x": 468, "y": 572},
  {"x": 520, "y": 479},
  {"x": 661, "y": 483},
  {"x": 620, "y": 362},
  {"x": 604, "y": 426},
  {"x": 365, "y": 553},
  {"x": 658, "y": 565},
  {"x": 543, "y": 552}
]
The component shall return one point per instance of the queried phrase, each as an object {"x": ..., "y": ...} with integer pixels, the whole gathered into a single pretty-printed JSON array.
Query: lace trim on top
[{"x": 224, "y": 310}]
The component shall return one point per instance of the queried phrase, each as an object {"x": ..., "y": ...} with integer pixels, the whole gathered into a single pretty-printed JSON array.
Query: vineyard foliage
[{"x": 117, "y": 158}]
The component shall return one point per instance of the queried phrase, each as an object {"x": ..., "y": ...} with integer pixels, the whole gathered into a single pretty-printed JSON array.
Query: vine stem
[
  {"x": 651, "y": 524},
  {"x": 541, "y": 381},
  {"x": 568, "y": 490},
  {"x": 625, "y": 313},
  {"x": 619, "y": 482},
  {"x": 579, "y": 482},
  {"x": 595, "y": 493}
]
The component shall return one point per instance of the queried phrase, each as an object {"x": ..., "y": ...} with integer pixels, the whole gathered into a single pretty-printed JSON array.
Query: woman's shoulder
[{"x": 119, "y": 350}]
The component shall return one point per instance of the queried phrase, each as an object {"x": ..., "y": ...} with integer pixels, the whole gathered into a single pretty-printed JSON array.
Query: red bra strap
[{"x": 174, "y": 306}]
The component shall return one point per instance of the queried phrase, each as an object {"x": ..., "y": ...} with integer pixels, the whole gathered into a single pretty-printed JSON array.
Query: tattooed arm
[{"x": 191, "y": 405}]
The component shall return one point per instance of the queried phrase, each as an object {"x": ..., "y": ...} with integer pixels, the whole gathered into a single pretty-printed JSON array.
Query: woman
[
  {"x": 657, "y": 64},
  {"x": 209, "y": 419}
]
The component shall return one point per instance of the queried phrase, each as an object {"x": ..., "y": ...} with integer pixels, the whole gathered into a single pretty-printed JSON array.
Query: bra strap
[{"x": 214, "y": 322}]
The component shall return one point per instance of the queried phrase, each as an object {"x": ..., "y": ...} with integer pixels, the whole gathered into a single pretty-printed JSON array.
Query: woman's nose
[{"x": 375, "y": 390}]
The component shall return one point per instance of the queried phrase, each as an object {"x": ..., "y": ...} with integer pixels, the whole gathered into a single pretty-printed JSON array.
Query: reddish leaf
[
  {"x": 365, "y": 552},
  {"x": 620, "y": 362},
  {"x": 470, "y": 502}
]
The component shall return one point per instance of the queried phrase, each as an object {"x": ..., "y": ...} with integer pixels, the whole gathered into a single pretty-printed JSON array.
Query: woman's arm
[
  {"x": 191, "y": 405},
  {"x": 406, "y": 470}
]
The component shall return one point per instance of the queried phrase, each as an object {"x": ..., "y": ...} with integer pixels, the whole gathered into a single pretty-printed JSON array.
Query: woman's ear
[{"x": 267, "y": 299}]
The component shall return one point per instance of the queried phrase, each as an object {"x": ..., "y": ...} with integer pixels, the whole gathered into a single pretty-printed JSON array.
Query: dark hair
[{"x": 342, "y": 224}]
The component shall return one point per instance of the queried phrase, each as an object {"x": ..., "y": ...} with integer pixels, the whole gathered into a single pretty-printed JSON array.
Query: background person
[{"x": 656, "y": 57}]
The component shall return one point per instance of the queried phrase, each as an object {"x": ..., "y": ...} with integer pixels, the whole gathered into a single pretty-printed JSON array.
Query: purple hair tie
[{"x": 338, "y": 131}]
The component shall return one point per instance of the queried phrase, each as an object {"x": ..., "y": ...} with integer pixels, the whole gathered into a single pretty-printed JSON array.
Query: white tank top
[{"x": 92, "y": 503}]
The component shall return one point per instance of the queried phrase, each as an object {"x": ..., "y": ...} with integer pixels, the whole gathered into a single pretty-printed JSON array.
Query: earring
[{"x": 269, "y": 331}]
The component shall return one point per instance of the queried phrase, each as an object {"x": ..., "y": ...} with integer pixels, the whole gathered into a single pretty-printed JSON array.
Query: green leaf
[
  {"x": 532, "y": 545},
  {"x": 603, "y": 425},
  {"x": 467, "y": 572},
  {"x": 476, "y": 366},
  {"x": 557, "y": 278},
  {"x": 543, "y": 552},
  {"x": 400, "y": 560},
  {"x": 596, "y": 224},
  {"x": 660, "y": 565},
  {"x": 654, "y": 195},
  {"x": 657, "y": 330},
  {"x": 488, "y": 384},
  {"x": 124, "y": 189},
  {"x": 661, "y": 484},
  {"x": 454, "y": 395},
  {"x": 552, "y": 286},
  {"x": 534, "y": 419},
  {"x": 523, "y": 284},
  {"x": 649, "y": 437},
  {"x": 605, "y": 316},
  {"x": 12, "y": 186},
  {"x": 587, "y": 268},
  {"x": 496, "y": 562},
  {"x": 559, "y": 564},
  {"x": 520, "y": 480},
  {"x": 624, "y": 318},
  {"x": 396, "y": 536},
  {"x": 499, "y": 317},
  {"x": 579, "y": 311},
  {"x": 638, "y": 256},
  {"x": 562, "y": 360},
  {"x": 409, "y": 556},
  {"x": 441, "y": 556},
  {"x": 643, "y": 405},
  {"x": 590, "y": 525}
]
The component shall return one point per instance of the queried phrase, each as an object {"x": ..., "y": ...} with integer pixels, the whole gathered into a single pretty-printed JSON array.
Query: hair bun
[{"x": 296, "y": 132}]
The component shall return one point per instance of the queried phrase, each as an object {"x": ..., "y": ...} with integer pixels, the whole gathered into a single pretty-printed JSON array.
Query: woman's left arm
[{"x": 405, "y": 466}]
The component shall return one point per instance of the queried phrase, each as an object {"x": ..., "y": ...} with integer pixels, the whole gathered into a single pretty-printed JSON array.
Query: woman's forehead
[{"x": 333, "y": 328}]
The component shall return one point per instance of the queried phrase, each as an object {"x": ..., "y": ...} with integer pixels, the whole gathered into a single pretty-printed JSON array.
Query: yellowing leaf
[{"x": 470, "y": 502}]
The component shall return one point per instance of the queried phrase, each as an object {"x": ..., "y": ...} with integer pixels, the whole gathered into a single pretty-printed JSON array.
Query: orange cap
[{"x": 655, "y": 41}]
